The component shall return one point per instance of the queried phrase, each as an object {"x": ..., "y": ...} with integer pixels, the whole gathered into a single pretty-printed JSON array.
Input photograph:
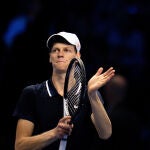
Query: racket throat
[{"x": 66, "y": 110}]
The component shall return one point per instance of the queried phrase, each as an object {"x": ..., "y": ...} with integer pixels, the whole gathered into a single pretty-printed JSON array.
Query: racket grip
[{"x": 64, "y": 138}]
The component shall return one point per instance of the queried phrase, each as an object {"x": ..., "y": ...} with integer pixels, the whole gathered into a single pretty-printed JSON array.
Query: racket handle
[{"x": 63, "y": 143}]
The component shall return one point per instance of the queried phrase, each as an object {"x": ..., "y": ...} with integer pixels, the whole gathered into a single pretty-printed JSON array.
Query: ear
[
  {"x": 78, "y": 55},
  {"x": 50, "y": 59}
]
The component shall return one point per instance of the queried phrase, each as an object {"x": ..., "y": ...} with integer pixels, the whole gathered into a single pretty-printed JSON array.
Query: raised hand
[{"x": 100, "y": 79}]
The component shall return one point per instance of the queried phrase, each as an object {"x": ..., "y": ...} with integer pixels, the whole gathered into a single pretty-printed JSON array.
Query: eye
[
  {"x": 54, "y": 50},
  {"x": 67, "y": 50}
]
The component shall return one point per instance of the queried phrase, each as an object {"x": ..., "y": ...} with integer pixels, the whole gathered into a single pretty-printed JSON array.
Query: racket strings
[{"x": 74, "y": 90}]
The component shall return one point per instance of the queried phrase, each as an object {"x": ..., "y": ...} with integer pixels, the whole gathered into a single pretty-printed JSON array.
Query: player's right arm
[{"x": 26, "y": 141}]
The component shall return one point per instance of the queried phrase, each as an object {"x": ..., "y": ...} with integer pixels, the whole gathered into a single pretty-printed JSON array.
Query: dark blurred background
[{"x": 112, "y": 33}]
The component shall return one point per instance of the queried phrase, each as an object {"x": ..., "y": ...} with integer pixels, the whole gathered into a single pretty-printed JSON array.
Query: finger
[
  {"x": 99, "y": 71},
  {"x": 66, "y": 129},
  {"x": 66, "y": 119},
  {"x": 70, "y": 132},
  {"x": 109, "y": 72},
  {"x": 65, "y": 126}
]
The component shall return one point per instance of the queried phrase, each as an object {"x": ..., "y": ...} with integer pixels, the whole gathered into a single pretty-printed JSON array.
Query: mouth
[{"x": 60, "y": 61}]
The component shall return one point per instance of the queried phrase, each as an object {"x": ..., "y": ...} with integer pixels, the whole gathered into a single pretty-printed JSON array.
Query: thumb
[{"x": 99, "y": 71}]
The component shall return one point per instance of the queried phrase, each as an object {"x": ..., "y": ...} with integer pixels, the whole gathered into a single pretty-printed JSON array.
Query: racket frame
[{"x": 83, "y": 73}]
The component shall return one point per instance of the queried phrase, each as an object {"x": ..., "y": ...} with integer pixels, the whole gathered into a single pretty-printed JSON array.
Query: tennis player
[{"x": 39, "y": 110}]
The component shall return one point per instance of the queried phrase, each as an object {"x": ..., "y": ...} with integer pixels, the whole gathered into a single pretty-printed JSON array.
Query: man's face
[{"x": 61, "y": 55}]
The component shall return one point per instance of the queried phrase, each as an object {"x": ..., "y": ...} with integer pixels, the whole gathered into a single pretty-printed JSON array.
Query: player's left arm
[{"x": 99, "y": 115}]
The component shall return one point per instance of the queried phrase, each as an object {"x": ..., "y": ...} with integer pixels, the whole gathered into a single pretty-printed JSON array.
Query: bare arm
[
  {"x": 99, "y": 115},
  {"x": 25, "y": 140}
]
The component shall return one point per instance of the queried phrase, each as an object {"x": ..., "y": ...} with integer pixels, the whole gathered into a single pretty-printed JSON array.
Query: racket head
[{"x": 74, "y": 87}]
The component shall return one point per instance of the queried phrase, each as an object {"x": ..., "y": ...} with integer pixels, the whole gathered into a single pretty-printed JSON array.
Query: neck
[{"x": 58, "y": 81}]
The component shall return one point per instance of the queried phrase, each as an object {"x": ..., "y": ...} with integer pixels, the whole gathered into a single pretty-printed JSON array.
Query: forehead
[{"x": 63, "y": 45}]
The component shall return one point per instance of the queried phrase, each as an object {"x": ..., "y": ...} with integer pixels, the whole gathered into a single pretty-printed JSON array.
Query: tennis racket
[
  {"x": 74, "y": 87},
  {"x": 74, "y": 92}
]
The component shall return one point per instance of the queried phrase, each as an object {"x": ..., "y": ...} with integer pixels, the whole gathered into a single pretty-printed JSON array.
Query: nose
[{"x": 60, "y": 53}]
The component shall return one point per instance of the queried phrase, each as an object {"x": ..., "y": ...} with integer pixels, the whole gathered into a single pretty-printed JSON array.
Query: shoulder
[{"x": 37, "y": 87}]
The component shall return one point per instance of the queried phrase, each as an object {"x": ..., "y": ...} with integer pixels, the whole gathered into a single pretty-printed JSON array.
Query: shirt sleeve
[{"x": 25, "y": 107}]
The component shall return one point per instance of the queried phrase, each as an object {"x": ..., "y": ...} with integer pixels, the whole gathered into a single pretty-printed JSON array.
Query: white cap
[{"x": 69, "y": 37}]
